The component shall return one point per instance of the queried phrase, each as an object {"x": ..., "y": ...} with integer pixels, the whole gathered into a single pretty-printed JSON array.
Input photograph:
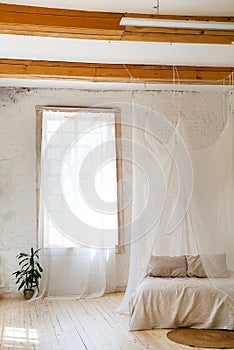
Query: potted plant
[{"x": 29, "y": 273}]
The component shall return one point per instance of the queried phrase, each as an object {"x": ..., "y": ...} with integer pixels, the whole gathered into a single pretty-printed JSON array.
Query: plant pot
[{"x": 28, "y": 294}]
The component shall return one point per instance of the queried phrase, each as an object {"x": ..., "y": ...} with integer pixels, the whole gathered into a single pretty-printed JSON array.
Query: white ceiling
[
  {"x": 179, "y": 7},
  {"x": 100, "y": 51}
]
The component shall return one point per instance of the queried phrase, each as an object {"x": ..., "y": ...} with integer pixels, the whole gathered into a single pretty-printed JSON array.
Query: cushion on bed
[
  {"x": 194, "y": 266},
  {"x": 167, "y": 266},
  {"x": 215, "y": 266}
]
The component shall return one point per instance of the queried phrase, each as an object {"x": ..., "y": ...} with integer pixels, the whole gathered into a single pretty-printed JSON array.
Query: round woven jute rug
[{"x": 203, "y": 338}]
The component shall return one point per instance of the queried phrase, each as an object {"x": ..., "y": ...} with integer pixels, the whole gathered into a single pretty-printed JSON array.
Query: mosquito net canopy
[{"x": 182, "y": 199}]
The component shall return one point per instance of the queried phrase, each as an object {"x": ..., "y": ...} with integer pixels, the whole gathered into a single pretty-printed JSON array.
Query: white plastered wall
[{"x": 204, "y": 113}]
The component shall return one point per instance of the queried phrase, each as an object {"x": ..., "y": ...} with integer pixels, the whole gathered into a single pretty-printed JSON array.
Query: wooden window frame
[{"x": 120, "y": 249}]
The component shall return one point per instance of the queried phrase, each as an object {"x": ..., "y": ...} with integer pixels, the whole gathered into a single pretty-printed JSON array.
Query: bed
[{"x": 182, "y": 302}]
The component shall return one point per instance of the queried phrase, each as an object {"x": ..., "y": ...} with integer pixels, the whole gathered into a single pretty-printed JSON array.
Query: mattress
[{"x": 182, "y": 302}]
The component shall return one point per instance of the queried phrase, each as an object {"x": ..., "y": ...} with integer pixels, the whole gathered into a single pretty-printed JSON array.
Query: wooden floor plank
[
  {"x": 42, "y": 324},
  {"x": 128, "y": 340},
  {"x": 35, "y": 322},
  {"x": 92, "y": 323},
  {"x": 48, "y": 335},
  {"x": 87, "y": 324},
  {"x": 110, "y": 330},
  {"x": 83, "y": 332},
  {"x": 70, "y": 333}
]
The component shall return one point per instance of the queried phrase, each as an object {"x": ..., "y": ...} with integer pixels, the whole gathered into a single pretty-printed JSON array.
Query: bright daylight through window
[{"x": 79, "y": 178}]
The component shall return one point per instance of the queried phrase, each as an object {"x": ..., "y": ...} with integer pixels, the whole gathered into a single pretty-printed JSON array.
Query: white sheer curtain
[
  {"x": 192, "y": 214},
  {"x": 78, "y": 221}
]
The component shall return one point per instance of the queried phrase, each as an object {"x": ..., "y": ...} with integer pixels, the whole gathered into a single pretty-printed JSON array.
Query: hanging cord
[
  {"x": 225, "y": 78},
  {"x": 232, "y": 82},
  {"x": 174, "y": 88},
  {"x": 231, "y": 106},
  {"x": 176, "y": 82},
  {"x": 227, "y": 107},
  {"x": 132, "y": 104},
  {"x": 132, "y": 79},
  {"x": 129, "y": 73},
  {"x": 133, "y": 116},
  {"x": 157, "y": 6},
  {"x": 224, "y": 104}
]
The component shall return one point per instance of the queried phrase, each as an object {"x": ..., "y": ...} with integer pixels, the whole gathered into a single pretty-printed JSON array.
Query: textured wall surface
[{"x": 204, "y": 114}]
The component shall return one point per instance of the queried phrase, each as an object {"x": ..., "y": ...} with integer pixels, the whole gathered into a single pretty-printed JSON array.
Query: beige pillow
[
  {"x": 167, "y": 266},
  {"x": 215, "y": 266},
  {"x": 194, "y": 266}
]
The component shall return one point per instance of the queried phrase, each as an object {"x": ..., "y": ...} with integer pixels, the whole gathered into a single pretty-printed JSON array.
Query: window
[{"x": 79, "y": 173}]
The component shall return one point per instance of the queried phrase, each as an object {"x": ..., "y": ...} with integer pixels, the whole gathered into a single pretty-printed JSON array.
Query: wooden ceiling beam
[
  {"x": 93, "y": 72},
  {"x": 39, "y": 21}
]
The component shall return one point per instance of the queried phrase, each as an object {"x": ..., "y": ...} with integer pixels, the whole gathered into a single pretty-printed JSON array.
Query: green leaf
[
  {"x": 39, "y": 267},
  {"x": 21, "y": 285},
  {"x": 21, "y": 262},
  {"x": 24, "y": 266},
  {"x": 16, "y": 273},
  {"x": 18, "y": 279},
  {"x": 21, "y": 255}
]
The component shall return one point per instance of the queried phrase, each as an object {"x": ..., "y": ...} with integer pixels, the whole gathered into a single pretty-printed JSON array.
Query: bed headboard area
[{"x": 201, "y": 266}]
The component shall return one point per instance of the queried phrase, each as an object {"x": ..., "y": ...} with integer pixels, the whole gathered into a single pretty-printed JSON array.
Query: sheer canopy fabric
[
  {"x": 78, "y": 222},
  {"x": 196, "y": 201}
]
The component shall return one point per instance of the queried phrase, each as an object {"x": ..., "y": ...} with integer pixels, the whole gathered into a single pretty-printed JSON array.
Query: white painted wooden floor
[{"x": 88, "y": 324}]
